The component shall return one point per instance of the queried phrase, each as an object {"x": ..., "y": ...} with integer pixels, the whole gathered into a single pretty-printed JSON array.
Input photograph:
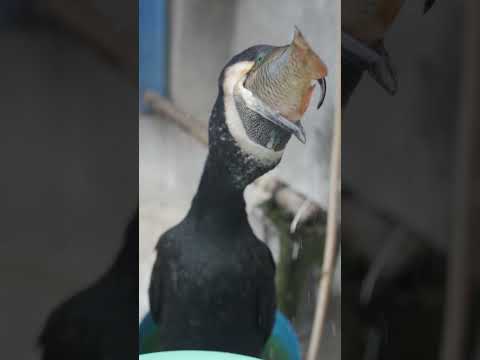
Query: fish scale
[{"x": 283, "y": 80}]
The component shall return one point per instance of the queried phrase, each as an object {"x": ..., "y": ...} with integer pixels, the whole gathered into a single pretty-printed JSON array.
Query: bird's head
[{"x": 263, "y": 93}]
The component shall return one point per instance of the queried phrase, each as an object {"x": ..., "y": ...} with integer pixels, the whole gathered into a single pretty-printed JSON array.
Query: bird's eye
[{"x": 260, "y": 58}]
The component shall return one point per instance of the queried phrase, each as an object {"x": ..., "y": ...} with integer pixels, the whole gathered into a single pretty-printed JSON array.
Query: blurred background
[
  {"x": 409, "y": 199},
  {"x": 183, "y": 47},
  {"x": 71, "y": 74},
  {"x": 69, "y": 154}
]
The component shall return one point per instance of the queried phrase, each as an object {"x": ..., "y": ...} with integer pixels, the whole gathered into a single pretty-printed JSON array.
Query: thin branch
[
  {"x": 162, "y": 106},
  {"x": 330, "y": 252}
]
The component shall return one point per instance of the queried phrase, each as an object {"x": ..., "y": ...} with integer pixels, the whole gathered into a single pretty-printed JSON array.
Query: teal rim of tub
[
  {"x": 194, "y": 355},
  {"x": 283, "y": 343}
]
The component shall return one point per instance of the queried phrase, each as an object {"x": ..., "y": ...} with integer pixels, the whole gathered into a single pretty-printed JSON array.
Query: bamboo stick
[
  {"x": 330, "y": 250},
  {"x": 325, "y": 285}
]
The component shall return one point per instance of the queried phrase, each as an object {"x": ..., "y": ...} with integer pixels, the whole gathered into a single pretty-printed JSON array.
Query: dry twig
[{"x": 331, "y": 236}]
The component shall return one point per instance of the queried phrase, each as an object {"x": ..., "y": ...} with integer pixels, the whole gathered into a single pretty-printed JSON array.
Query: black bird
[
  {"x": 212, "y": 285},
  {"x": 100, "y": 322}
]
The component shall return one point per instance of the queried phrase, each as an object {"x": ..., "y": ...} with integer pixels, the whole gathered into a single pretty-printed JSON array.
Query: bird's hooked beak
[{"x": 282, "y": 65}]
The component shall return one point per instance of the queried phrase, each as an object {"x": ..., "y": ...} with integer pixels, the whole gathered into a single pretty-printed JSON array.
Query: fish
[{"x": 283, "y": 78}]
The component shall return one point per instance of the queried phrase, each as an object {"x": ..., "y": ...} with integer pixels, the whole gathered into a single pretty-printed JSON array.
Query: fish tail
[{"x": 316, "y": 66}]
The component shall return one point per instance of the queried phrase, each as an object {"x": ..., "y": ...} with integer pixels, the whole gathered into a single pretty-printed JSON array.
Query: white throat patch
[{"x": 233, "y": 75}]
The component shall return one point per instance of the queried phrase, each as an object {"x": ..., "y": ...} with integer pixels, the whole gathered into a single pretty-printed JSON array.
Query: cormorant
[{"x": 212, "y": 285}]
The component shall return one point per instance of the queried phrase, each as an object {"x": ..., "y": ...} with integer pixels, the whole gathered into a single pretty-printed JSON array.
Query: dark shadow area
[
  {"x": 403, "y": 219},
  {"x": 69, "y": 179}
]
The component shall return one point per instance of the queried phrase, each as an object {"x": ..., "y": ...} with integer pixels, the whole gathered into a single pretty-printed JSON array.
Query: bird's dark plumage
[
  {"x": 428, "y": 5},
  {"x": 99, "y": 323},
  {"x": 212, "y": 285}
]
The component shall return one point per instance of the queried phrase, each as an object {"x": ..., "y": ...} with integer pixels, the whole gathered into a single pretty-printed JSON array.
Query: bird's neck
[{"x": 218, "y": 194}]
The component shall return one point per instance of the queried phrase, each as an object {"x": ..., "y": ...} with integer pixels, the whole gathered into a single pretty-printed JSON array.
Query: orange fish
[{"x": 284, "y": 77}]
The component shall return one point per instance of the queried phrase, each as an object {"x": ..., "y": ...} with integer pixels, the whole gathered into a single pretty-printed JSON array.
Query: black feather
[{"x": 428, "y": 5}]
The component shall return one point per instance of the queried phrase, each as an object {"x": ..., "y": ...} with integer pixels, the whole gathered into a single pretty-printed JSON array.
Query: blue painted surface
[
  {"x": 283, "y": 333},
  {"x": 286, "y": 335},
  {"x": 153, "y": 47}
]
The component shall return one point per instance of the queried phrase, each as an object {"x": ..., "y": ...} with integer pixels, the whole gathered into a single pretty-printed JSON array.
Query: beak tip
[
  {"x": 301, "y": 138},
  {"x": 323, "y": 87},
  {"x": 300, "y": 133}
]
